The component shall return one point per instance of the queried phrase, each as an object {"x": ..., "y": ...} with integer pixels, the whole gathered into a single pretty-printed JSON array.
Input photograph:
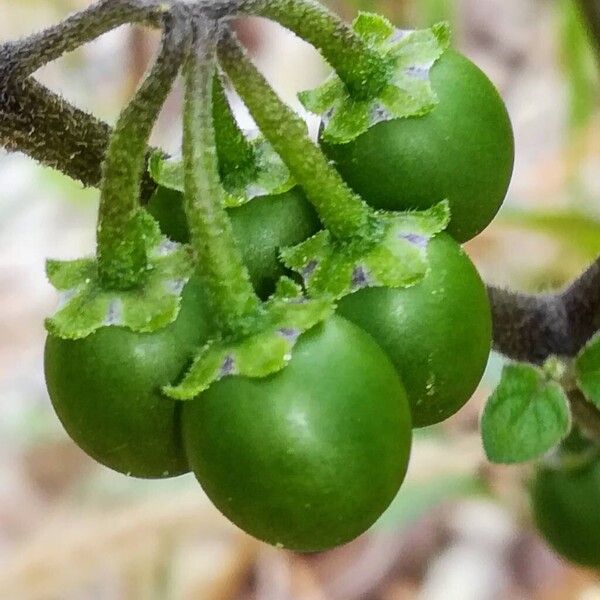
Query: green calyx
[
  {"x": 85, "y": 304},
  {"x": 248, "y": 166},
  {"x": 407, "y": 92},
  {"x": 265, "y": 175},
  {"x": 396, "y": 257},
  {"x": 269, "y": 176},
  {"x": 138, "y": 276},
  {"x": 263, "y": 349}
]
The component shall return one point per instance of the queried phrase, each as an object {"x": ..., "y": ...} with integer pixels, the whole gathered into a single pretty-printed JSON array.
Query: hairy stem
[
  {"x": 41, "y": 124},
  {"x": 23, "y": 57},
  {"x": 534, "y": 327},
  {"x": 358, "y": 66},
  {"x": 220, "y": 265},
  {"x": 44, "y": 126},
  {"x": 120, "y": 243},
  {"x": 233, "y": 149},
  {"x": 342, "y": 212}
]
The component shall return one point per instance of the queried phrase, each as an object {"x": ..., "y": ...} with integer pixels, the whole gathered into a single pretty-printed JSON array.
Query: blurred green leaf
[
  {"x": 416, "y": 498},
  {"x": 578, "y": 63},
  {"x": 578, "y": 230},
  {"x": 587, "y": 370},
  {"x": 434, "y": 11}
]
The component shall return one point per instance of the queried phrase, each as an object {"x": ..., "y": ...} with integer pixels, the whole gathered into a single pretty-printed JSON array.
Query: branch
[
  {"x": 41, "y": 124},
  {"x": 23, "y": 57},
  {"x": 531, "y": 328},
  {"x": 534, "y": 327}
]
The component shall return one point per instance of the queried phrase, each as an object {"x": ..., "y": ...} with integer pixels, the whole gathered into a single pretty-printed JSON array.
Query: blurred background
[{"x": 460, "y": 527}]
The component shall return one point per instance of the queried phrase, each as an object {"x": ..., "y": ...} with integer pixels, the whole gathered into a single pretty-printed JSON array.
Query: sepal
[
  {"x": 267, "y": 176},
  {"x": 265, "y": 350},
  {"x": 407, "y": 92},
  {"x": 396, "y": 258},
  {"x": 85, "y": 306}
]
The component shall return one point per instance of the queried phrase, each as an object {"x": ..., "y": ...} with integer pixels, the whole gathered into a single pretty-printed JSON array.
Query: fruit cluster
[{"x": 303, "y": 306}]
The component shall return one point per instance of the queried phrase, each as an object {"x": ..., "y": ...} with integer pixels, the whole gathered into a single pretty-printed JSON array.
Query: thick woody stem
[
  {"x": 40, "y": 123},
  {"x": 534, "y": 327},
  {"x": 44, "y": 126}
]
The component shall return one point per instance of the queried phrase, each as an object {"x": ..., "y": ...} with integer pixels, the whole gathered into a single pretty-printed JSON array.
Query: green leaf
[
  {"x": 397, "y": 258},
  {"x": 526, "y": 416},
  {"x": 85, "y": 306},
  {"x": 408, "y": 92},
  {"x": 587, "y": 370},
  {"x": 265, "y": 350},
  {"x": 269, "y": 176}
]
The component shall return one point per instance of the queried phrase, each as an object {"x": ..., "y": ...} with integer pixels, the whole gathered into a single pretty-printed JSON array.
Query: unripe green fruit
[
  {"x": 437, "y": 332},
  {"x": 566, "y": 505},
  {"x": 462, "y": 151},
  {"x": 261, "y": 228},
  {"x": 309, "y": 457},
  {"x": 105, "y": 389}
]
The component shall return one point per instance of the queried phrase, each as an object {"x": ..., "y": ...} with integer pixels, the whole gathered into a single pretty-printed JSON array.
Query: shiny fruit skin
[
  {"x": 437, "y": 333},
  {"x": 463, "y": 151},
  {"x": 565, "y": 506},
  {"x": 261, "y": 228},
  {"x": 307, "y": 458},
  {"x": 105, "y": 389}
]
